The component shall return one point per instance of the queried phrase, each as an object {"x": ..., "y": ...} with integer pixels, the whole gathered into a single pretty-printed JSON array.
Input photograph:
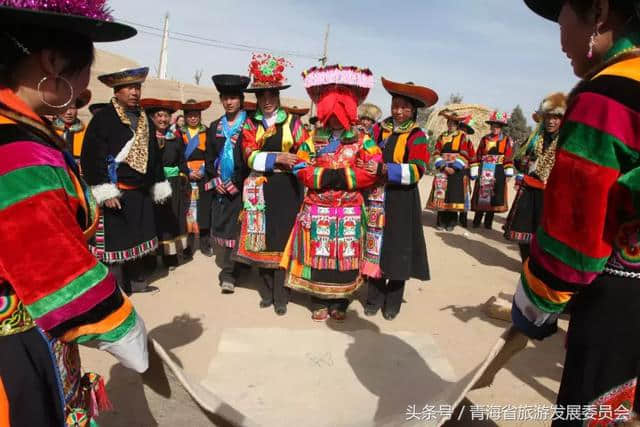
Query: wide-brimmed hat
[
  {"x": 420, "y": 96},
  {"x": 193, "y": 105},
  {"x": 555, "y": 104},
  {"x": 498, "y": 118},
  {"x": 91, "y": 19},
  {"x": 464, "y": 121},
  {"x": 97, "y": 106},
  {"x": 83, "y": 99},
  {"x": 369, "y": 111},
  {"x": 298, "y": 111},
  {"x": 230, "y": 84},
  {"x": 319, "y": 80},
  {"x": 152, "y": 105},
  {"x": 267, "y": 73},
  {"x": 127, "y": 76},
  {"x": 549, "y": 9}
]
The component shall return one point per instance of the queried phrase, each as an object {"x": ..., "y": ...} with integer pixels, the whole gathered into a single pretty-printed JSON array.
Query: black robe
[
  {"x": 226, "y": 208},
  {"x": 404, "y": 252},
  {"x": 171, "y": 218},
  {"x": 283, "y": 196},
  {"x": 130, "y": 232},
  {"x": 205, "y": 195}
]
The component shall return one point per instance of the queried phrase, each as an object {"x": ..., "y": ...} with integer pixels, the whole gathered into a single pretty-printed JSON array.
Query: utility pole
[
  {"x": 325, "y": 51},
  {"x": 162, "y": 68},
  {"x": 323, "y": 61}
]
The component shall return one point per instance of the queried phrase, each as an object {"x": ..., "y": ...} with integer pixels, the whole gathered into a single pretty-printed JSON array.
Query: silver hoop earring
[
  {"x": 592, "y": 43},
  {"x": 44, "y": 101}
]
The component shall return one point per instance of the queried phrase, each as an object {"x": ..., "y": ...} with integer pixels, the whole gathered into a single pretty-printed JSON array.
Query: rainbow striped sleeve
[
  {"x": 262, "y": 161},
  {"x": 45, "y": 258},
  {"x": 299, "y": 133},
  {"x": 593, "y": 181},
  {"x": 370, "y": 148},
  {"x": 410, "y": 173}
]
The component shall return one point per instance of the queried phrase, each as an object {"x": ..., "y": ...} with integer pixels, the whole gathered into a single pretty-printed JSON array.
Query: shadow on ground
[
  {"x": 375, "y": 359},
  {"x": 541, "y": 359},
  {"x": 484, "y": 253},
  {"x": 156, "y": 398}
]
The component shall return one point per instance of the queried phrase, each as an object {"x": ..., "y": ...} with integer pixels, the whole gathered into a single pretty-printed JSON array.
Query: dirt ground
[{"x": 187, "y": 314}]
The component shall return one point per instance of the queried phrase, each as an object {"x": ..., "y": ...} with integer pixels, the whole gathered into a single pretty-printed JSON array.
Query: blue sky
[{"x": 493, "y": 52}]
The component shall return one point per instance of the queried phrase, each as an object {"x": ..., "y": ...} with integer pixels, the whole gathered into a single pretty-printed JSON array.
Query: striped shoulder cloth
[
  {"x": 592, "y": 196},
  {"x": 43, "y": 250}
]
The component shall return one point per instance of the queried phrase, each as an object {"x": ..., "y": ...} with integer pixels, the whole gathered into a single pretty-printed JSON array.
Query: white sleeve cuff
[
  {"x": 161, "y": 192},
  {"x": 104, "y": 192},
  {"x": 131, "y": 350}
]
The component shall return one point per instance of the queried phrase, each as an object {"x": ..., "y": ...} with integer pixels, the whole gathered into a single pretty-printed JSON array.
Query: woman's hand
[
  {"x": 113, "y": 203},
  {"x": 449, "y": 170},
  {"x": 286, "y": 160},
  {"x": 372, "y": 167},
  {"x": 195, "y": 176}
]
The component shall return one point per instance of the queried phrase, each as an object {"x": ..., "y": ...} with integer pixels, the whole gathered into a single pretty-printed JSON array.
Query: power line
[{"x": 204, "y": 41}]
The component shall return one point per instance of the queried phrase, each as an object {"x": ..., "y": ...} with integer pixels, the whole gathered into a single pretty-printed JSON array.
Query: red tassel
[{"x": 104, "y": 404}]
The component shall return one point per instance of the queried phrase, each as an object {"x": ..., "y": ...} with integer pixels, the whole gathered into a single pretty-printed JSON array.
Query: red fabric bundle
[{"x": 340, "y": 102}]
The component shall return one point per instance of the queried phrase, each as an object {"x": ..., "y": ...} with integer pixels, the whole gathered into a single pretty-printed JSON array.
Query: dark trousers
[
  {"x": 332, "y": 304},
  {"x": 524, "y": 251},
  {"x": 229, "y": 271},
  {"x": 386, "y": 295},
  {"x": 488, "y": 219},
  {"x": 272, "y": 288},
  {"x": 131, "y": 275},
  {"x": 447, "y": 219},
  {"x": 463, "y": 219},
  {"x": 205, "y": 242}
]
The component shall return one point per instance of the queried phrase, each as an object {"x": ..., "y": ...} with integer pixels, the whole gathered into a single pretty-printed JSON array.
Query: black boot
[
  {"x": 488, "y": 220},
  {"x": 463, "y": 219},
  {"x": 477, "y": 219}
]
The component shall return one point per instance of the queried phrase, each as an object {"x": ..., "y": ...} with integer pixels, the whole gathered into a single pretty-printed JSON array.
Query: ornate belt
[
  {"x": 615, "y": 268},
  {"x": 14, "y": 318}
]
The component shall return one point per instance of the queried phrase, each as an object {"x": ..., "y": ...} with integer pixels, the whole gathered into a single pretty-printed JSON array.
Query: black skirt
[
  {"x": 205, "y": 202},
  {"x": 127, "y": 233},
  {"x": 404, "y": 252},
  {"x": 283, "y": 196},
  {"x": 171, "y": 217},
  {"x": 525, "y": 215},
  {"x": 602, "y": 365},
  {"x": 30, "y": 381},
  {"x": 225, "y": 222}
]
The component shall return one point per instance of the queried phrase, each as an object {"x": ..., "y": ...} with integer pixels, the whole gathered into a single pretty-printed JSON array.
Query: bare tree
[
  {"x": 455, "y": 98},
  {"x": 197, "y": 76}
]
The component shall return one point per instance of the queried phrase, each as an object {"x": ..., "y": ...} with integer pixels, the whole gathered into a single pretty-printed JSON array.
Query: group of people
[
  {"x": 320, "y": 212},
  {"x": 496, "y": 159}
]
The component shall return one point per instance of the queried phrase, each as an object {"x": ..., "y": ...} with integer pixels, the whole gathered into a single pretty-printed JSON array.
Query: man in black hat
[
  {"x": 226, "y": 166},
  {"x": 122, "y": 163}
]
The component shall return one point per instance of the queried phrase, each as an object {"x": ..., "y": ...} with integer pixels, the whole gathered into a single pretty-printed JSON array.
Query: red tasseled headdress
[{"x": 340, "y": 102}]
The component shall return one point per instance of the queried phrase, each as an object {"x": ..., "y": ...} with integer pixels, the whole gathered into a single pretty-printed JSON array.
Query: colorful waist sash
[
  {"x": 488, "y": 180},
  {"x": 254, "y": 212}
]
